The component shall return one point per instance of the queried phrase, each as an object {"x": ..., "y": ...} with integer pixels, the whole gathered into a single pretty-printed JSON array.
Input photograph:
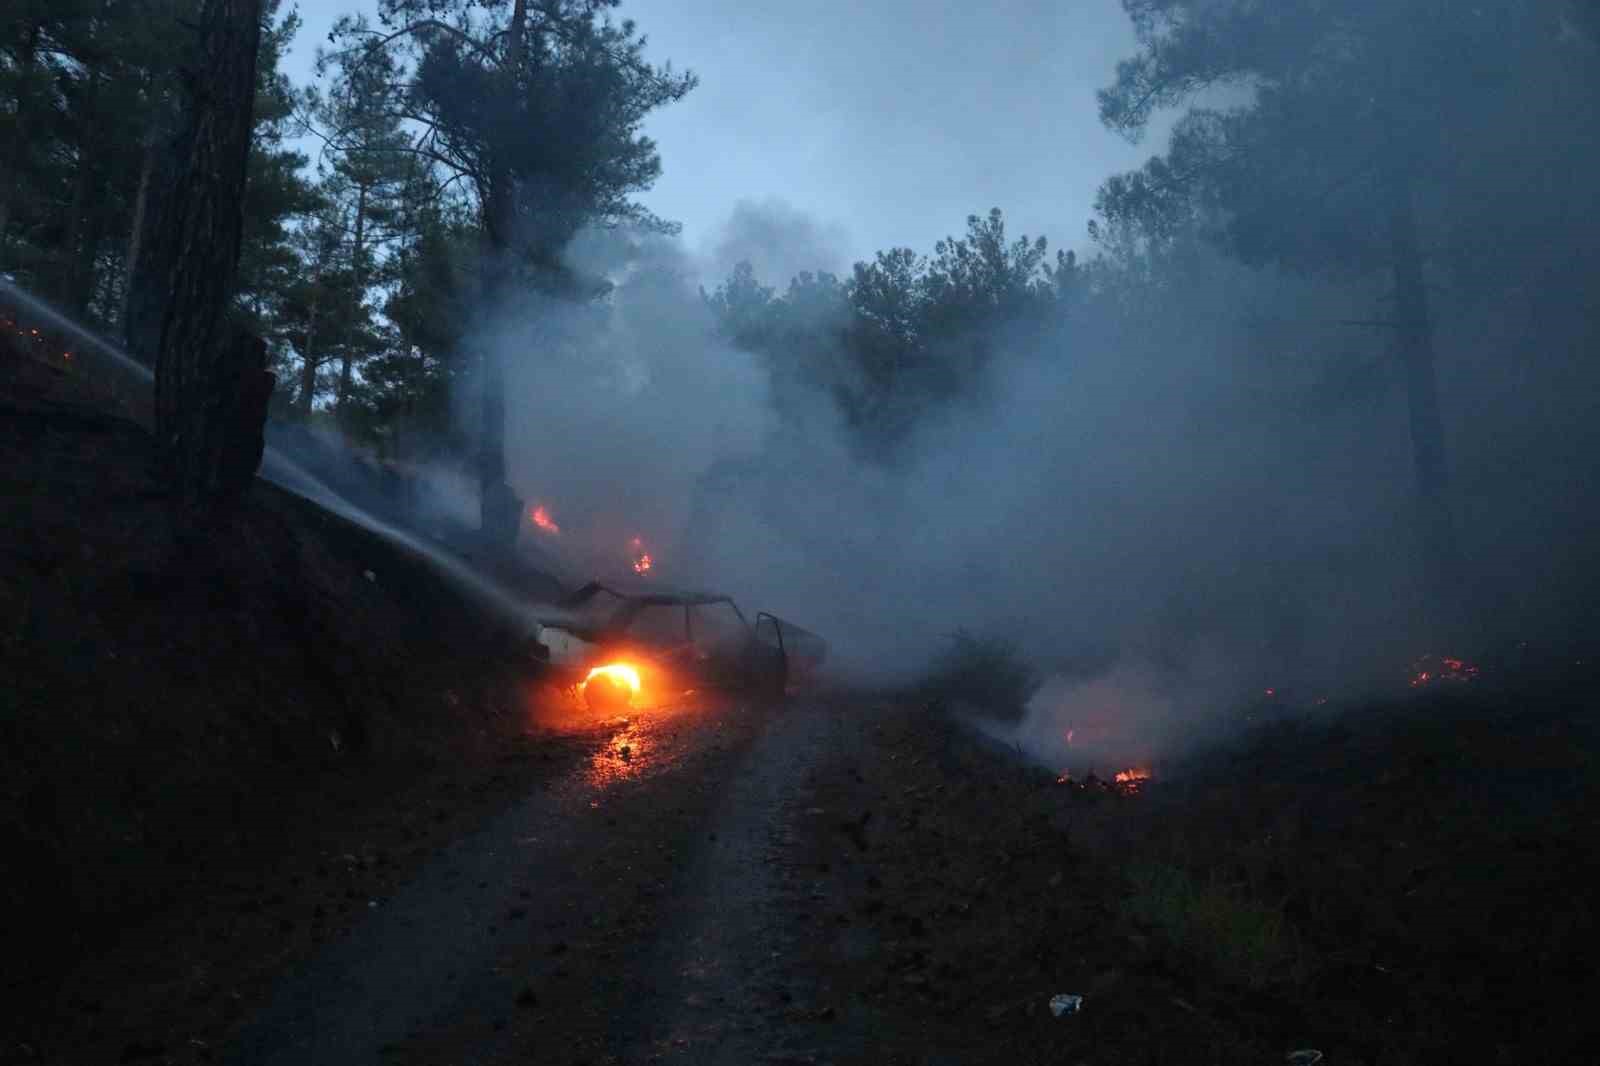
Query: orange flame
[
  {"x": 540, "y": 516},
  {"x": 642, "y": 563},
  {"x": 617, "y": 672},
  {"x": 1132, "y": 778}
]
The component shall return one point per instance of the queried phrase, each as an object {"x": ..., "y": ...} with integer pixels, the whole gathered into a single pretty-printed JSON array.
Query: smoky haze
[
  {"x": 1191, "y": 486},
  {"x": 1159, "y": 505}
]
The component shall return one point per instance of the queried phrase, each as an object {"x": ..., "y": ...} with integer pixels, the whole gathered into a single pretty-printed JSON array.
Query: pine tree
[
  {"x": 190, "y": 268},
  {"x": 536, "y": 108},
  {"x": 1350, "y": 107}
]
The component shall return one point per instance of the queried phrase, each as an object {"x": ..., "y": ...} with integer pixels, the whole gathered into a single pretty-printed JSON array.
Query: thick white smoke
[{"x": 1172, "y": 491}]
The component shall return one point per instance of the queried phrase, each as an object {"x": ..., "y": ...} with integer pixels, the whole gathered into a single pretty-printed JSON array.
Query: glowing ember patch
[
  {"x": 1131, "y": 779},
  {"x": 620, "y": 673},
  {"x": 540, "y": 517},
  {"x": 1435, "y": 668}
]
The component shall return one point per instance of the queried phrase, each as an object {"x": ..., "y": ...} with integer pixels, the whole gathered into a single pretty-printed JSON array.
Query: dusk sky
[{"x": 863, "y": 126}]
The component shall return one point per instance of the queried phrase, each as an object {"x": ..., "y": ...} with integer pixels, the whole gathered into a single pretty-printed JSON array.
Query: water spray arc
[{"x": 290, "y": 476}]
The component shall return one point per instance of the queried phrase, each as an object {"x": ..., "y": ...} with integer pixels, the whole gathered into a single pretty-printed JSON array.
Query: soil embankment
[{"x": 173, "y": 724}]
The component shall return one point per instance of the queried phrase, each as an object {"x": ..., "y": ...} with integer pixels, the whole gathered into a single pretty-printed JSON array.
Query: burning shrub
[{"x": 988, "y": 673}]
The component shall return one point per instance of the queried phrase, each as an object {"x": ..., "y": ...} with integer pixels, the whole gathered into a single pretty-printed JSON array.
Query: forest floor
[
  {"x": 1411, "y": 883},
  {"x": 261, "y": 808}
]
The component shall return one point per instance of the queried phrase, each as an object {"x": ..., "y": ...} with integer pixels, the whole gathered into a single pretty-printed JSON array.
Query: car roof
[{"x": 644, "y": 592}]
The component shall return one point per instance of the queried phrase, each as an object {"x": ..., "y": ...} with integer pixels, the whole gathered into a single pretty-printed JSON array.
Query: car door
[{"x": 722, "y": 641}]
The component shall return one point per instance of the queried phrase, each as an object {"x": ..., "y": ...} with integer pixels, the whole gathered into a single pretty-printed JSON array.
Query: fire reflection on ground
[
  {"x": 628, "y": 754},
  {"x": 655, "y": 739},
  {"x": 630, "y": 744}
]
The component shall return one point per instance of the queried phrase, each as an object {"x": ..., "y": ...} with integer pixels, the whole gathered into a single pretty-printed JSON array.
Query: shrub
[
  {"x": 1240, "y": 940},
  {"x": 987, "y": 673}
]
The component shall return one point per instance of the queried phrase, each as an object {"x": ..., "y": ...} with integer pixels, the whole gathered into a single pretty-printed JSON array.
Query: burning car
[{"x": 618, "y": 644}]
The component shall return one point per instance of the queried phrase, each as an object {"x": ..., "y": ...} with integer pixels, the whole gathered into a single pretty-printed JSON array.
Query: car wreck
[{"x": 619, "y": 644}]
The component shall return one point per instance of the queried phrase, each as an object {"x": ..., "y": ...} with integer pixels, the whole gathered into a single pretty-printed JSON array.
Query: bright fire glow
[
  {"x": 642, "y": 563},
  {"x": 1132, "y": 778},
  {"x": 620, "y": 672},
  {"x": 540, "y": 516}
]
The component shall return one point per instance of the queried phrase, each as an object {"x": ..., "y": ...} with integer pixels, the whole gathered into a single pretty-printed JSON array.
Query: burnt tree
[{"x": 184, "y": 282}]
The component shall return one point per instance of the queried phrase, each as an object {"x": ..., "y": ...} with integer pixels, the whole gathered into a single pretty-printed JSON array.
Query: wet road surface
[{"x": 618, "y": 914}]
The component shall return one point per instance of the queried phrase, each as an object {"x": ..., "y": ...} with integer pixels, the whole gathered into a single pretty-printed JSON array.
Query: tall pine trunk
[
  {"x": 309, "y": 361},
  {"x": 1436, "y": 539},
  {"x": 357, "y": 282},
  {"x": 141, "y": 203},
  {"x": 78, "y": 249},
  {"x": 499, "y": 510},
  {"x": 193, "y": 270}
]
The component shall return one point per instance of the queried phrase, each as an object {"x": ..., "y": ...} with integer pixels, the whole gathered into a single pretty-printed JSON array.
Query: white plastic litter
[{"x": 1065, "y": 1003}]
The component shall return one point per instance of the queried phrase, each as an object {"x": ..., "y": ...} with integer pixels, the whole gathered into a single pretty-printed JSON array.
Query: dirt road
[
  {"x": 842, "y": 881},
  {"x": 307, "y": 804},
  {"x": 621, "y": 910}
]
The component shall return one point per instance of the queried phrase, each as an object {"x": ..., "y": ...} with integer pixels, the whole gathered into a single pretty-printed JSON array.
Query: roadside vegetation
[
  {"x": 988, "y": 675},
  {"x": 1405, "y": 884}
]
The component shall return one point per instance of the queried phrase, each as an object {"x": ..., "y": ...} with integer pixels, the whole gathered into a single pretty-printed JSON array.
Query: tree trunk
[
  {"x": 199, "y": 256},
  {"x": 76, "y": 277},
  {"x": 141, "y": 201},
  {"x": 87, "y": 277},
  {"x": 309, "y": 363},
  {"x": 499, "y": 510},
  {"x": 66, "y": 293},
  {"x": 1436, "y": 528},
  {"x": 346, "y": 363}
]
